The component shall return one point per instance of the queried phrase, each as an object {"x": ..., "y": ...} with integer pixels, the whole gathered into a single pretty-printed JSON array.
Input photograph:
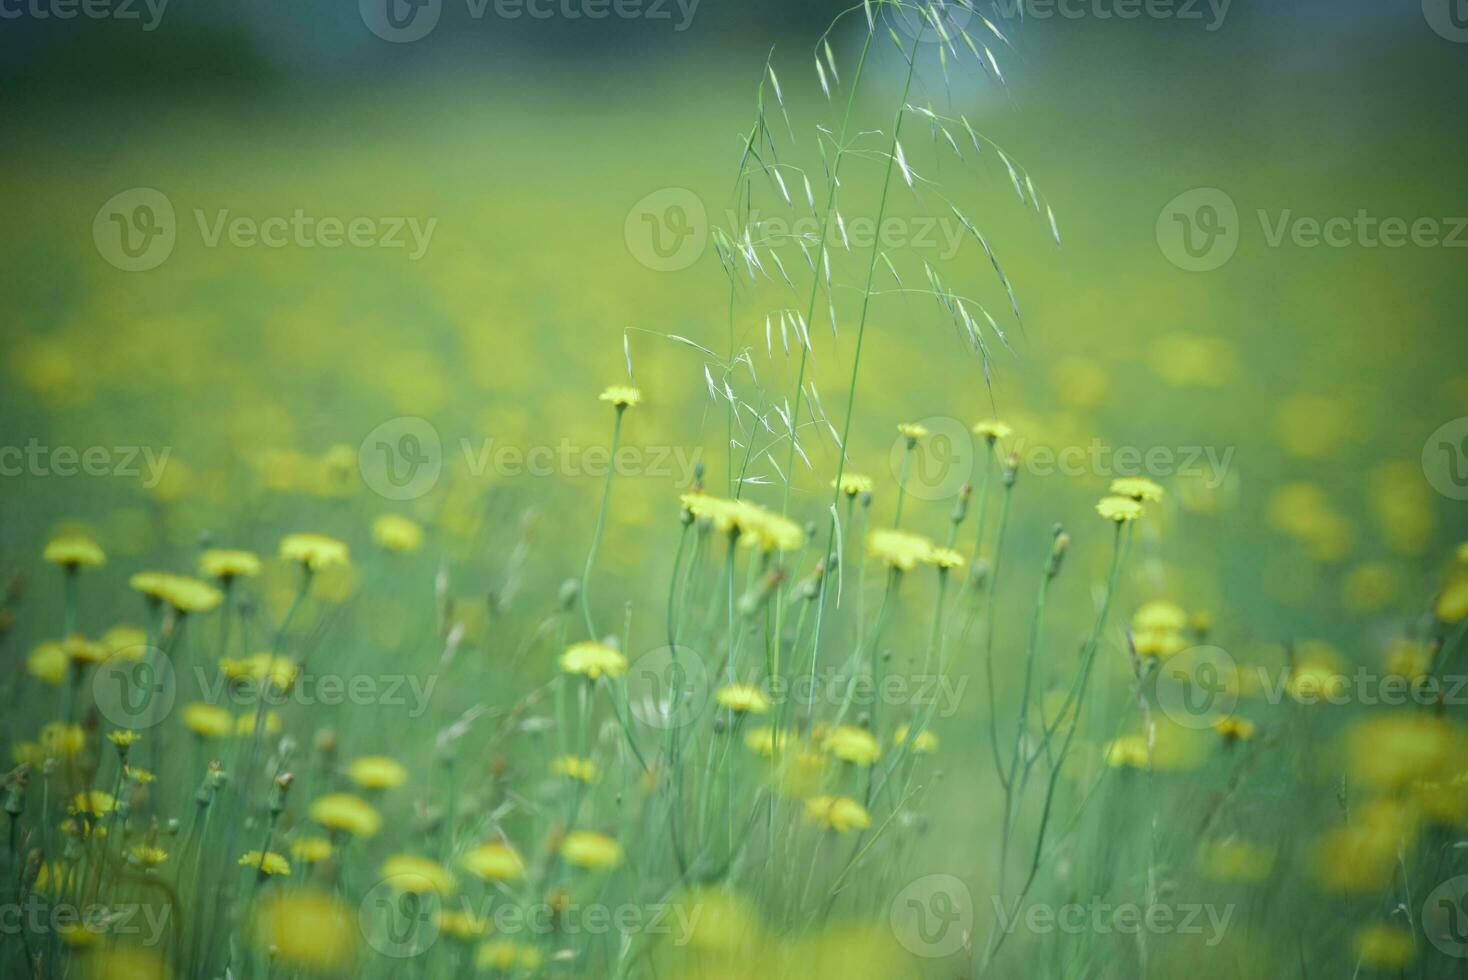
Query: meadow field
[{"x": 956, "y": 495}]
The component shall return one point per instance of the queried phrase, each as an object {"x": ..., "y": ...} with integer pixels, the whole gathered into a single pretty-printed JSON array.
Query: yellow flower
[
  {"x": 1234, "y": 729},
  {"x": 93, "y": 803},
  {"x": 852, "y": 744},
  {"x": 342, "y": 811},
  {"x": 912, "y": 432},
  {"x": 188, "y": 595},
  {"x": 1138, "y": 488},
  {"x": 119, "y": 962},
  {"x": 463, "y": 925},
  {"x": 589, "y": 849},
  {"x": 1394, "y": 750},
  {"x": 925, "y": 741},
  {"x": 899, "y": 549},
  {"x": 574, "y": 768},
  {"x": 1127, "y": 752},
  {"x": 741, "y": 698},
  {"x": 393, "y": 532},
  {"x": 1452, "y": 605},
  {"x": 1158, "y": 643},
  {"x": 123, "y": 738},
  {"x": 622, "y": 396},
  {"x": 1384, "y": 947},
  {"x": 151, "y": 584},
  {"x": 268, "y": 863},
  {"x": 1361, "y": 857},
  {"x": 147, "y": 855},
  {"x": 854, "y": 484},
  {"x": 305, "y": 928},
  {"x": 48, "y": 662},
  {"x": 838, "y": 813},
  {"x": 763, "y": 740},
  {"x": 311, "y": 850},
  {"x": 992, "y": 430},
  {"x": 137, "y": 775},
  {"x": 207, "y": 720},
  {"x": 1312, "y": 683},
  {"x": 1231, "y": 859},
  {"x": 507, "y": 955},
  {"x": 262, "y": 667},
  {"x": 945, "y": 559},
  {"x": 127, "y": 642},
  {"x": 245, "y": 723},
  {"x": 416, "y": 875},
  {"x": 377, "y": 772},
  {"x": 593, "y": 659},
  {"x": 73, "y": 551},
  {"x": 83, "y": 651},
  {"x": 1119, "y": 509},
  {"x": 494, "y": 861},
  {"x": 1159, "y": 614},
  {"x": 228, "y": 564},
  {"x": 768, "y": 531},
  {"x": 314, "y": 551},
  {"x": 62, "y": 741}
]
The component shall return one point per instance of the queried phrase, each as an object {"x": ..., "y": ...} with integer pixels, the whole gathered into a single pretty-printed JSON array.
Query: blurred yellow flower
[
  {"x": 314, "y": 551},
  {"x": 1394, "y": 750},
  {"x": 393, "y": 532},
  {"x": 311, "y": 850},
  {"x": 912, "y": 432},
  {"x": 900, "y": 550},
  {"x": 377, "y": 772},
  {"x": 1235, "y": 729},
  {"x": 742, "y": 698},
  {"x": 147, "y": 855},
  {"x": 228, "y": 564},
  {"x": 494, "y": 861},
  {"x": 573, "y": 767},
  {"x": 1361, "y": 856},
  {"x": 992, "y": 430},
  {"x": 1159, "y": 614},
  {"x": 854, "y": 484},
  {"x": 207, "y": 720},
  {"x": 60, "y": 741},
  {"x": 1183, "y": 359},
  {"x": 945, "y": 559},
  {"x": 463, "y": 924},
  {"x": 128, "y": 642},
  {"x": 592, "y": 659},
  {"x": 925, "y": 741},
  {"x": 267, "y": 863},
  {"x": 1231, "y": 859},
  {"x": 342, "y": 811},
  {"x": 305, "y": 928},
  {"x": 852, "y": 744},
  {"x": 838, "y": 813},
  {"x": 48, "y": 662},
  {"x": 416, "y": 875},
  {"x": 762, "y": 740},
  {"x": 507, "y": 956},
  {"x": 589, "y": 849},
  {"x": 93, "y": 803},
  {"x": 1119, "y": 509},
  {"x": 73, "y": 551},
  {"x": 1452, "y": 604},
  {"x": 119, "y": 962},
  {"x": 1138, "y": 488},
  {"x": 1384, "y": 947},
  {"x": 622, "y": 396}
]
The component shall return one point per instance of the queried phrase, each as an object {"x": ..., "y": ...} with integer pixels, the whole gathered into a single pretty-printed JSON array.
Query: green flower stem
[{"x": 601, "y": 520}]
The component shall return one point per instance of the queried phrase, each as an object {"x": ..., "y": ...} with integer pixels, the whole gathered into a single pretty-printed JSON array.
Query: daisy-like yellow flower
[
  {"x": 945, "y": 559},
  {"x": 93, "y": 803},
  {"x": 228, "y": 564},
  {"x": 393, "y": 532},
  {"x": 60, "y": 741},
  {"x": 494, "y": 861},
  {"x": 135, "y": 775},
  {"x": 1158, "y": 643},
  {"x": 126, "y": 641},
  {"x": 763, "y": 740},
  {"x": 267, "y": 863},
  {"x": 207, "y": 720},
  {"x": 83, "y": 829},
  {"x": 153, "y": 585},
  {"x": 912, "y": 432},
  {"x": 311, "y": 850},
  {"x": 314, "y": 551},
  {"x": 992, "y": 430},
  {"x": 768, "y": 531},
  {"x": 592, "y": 659},
  {"x": 901, "y": 550},
  {"x": 852, "y": 744},
  {"x": 1312, "y": 683},
  {"x": 1452, "y": 605},
  {"x": 924, "y": 743},
  {"x": 147, "y": 855},
  {"x": 48, "y": 662},
  {"x": 463, "y": 924},
  {"x": 573, "y": 767},
  {"x": 83, "y": 651},
  {"x": 416, "y": 875},
  {"x": 1138, "y": 488},
  {"x": 854, "y": 484},
  {"x": 280, "y": 672},
  {"x": 123, "y": 738},
  {"x": 306, "y": 928},
  {"x": 1159, "y": 614},
  {"x": 377, "y": 772},
  {"x": 1128, "y": 752},
  {"x": 742, "y": 698},
  {"x": 622, "y": 396},
  {"x": 1119, "y": 509},
  {"x": 506, "y": 955},
  {"x": 345, "y": 812},
  {"x": 838, "y": 813},
  {"x": 1235, "y": 729},
  {"x": 73, "y": 551},
  {"x": 1384, "y": 947},
  {"x": 589, "y": 849},
  {"x": 189, "y": 595},
  {"x": 1394, "y": 750},
  {"x": 244, "y": 725}
]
